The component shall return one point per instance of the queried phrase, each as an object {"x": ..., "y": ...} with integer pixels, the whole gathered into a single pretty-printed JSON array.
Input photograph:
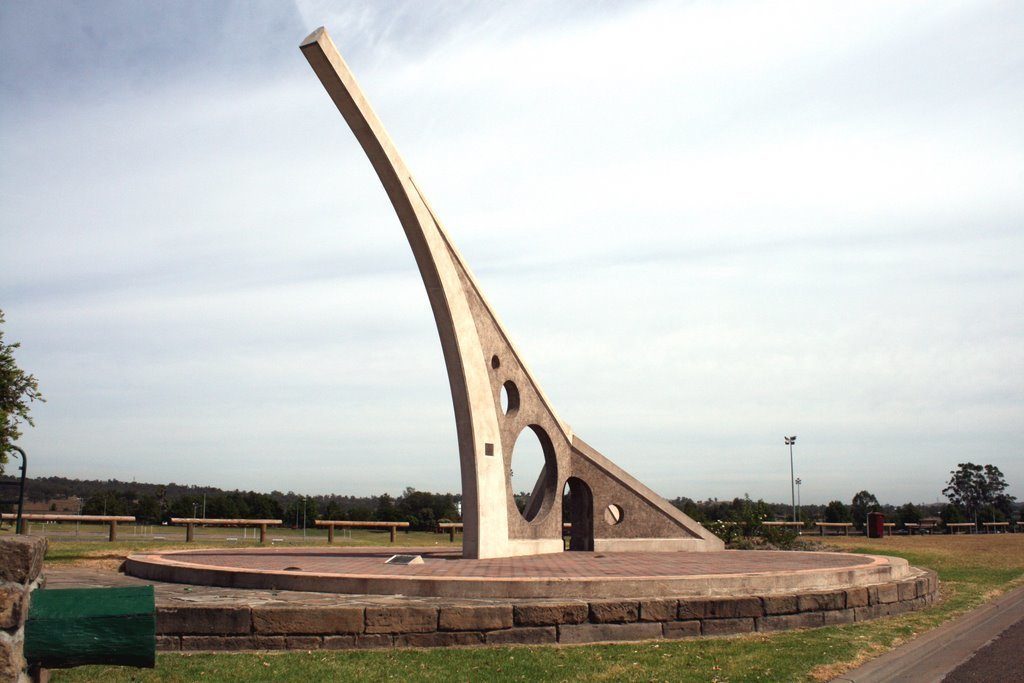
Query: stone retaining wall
[
  {"x": 21, "y": 564},
  {"x": 528, "y": 622}
]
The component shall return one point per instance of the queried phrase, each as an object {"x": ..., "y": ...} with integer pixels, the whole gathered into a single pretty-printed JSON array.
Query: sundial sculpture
[{"x": 609, "y": 509}]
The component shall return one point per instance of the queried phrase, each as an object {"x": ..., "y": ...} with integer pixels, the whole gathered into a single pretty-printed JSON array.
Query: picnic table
[
  {"x": 110, "y": 520},
  {"x": 351, "y": 524},
  {"x": 191, "y": 523}
]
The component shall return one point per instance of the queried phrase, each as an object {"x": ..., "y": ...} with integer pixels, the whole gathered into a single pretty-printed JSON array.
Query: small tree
[
  {"x": 908, "y": 512},
  {"x": 836, "y": 511},
  {"x": 863, "y": 503},
  {"x": 972, "y": 487},
  {"x": 17, "y": 390}
]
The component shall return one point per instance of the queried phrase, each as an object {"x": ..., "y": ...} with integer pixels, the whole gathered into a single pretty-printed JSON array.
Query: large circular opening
[
  {"x": 509, "y": 397},
  {"x": 533, "y": 472}
]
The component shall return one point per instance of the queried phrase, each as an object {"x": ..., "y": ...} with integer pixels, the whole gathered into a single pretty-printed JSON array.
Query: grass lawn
[{"x": 972, "y": 569}]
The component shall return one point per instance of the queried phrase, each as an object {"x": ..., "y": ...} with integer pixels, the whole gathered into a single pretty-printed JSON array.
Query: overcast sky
[{"x": 706, "y": 225}]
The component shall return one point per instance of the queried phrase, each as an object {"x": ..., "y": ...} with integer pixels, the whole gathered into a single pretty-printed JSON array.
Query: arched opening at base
[{"x": 578, "y": 510}]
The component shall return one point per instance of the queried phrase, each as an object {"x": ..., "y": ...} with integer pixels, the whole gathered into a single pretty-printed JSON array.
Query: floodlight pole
[
  {"x": 799, "y": 506},
  {"x": 790, "y": 440}
]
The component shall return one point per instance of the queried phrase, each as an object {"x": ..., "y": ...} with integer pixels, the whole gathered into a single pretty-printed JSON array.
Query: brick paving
[{"x": 557, "y": 566}]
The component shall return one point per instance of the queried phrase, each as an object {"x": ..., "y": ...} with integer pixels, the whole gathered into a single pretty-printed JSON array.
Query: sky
[{"x": 706, "y": 225}]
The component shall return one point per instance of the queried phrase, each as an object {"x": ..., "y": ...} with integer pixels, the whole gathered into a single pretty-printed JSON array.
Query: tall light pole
[
  {"x": 790, "y": 440},
  {"x": 799, "y": 507}
]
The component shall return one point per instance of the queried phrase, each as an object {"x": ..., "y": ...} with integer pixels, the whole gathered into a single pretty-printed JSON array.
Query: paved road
[
  {"x": 984, "y": 645},
  {"x": 1000, "y": 660}
]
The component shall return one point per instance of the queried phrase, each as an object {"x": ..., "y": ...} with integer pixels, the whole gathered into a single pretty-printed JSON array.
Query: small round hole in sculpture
[
  {"x": 495, "y": 362},
  {"x": 509, "y": 397},
  {"x": 613, "y": 514}
]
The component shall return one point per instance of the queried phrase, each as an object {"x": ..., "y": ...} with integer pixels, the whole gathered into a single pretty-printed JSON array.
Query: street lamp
[
  {"x": 799, "y": 507},
  {"x": 790, "y": 440}
]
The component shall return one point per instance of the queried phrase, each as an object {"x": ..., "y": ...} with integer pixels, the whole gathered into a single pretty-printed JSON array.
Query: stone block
[
  {"x": 312, "y": 620},
  {"x": 373, "y": 641},
  {"x": 303, "y": 642},
  {"x": 888, "y": 592},
  {"x": 614, "y": 611},
  {"x": 857, "y": 597},
  {"x": 342, "y": 642},
  {"x": 658, "y": 610},
  {"x": 219, "y": 643},
  {"x": 21, "y": 558},
  {"x": 781, "y": 604},
  {"x": 727, "y": 627},
  {"x": 401, "y": 619},
  {"x": 786, "y": 622},
  {"x": 680, "y": 629},
  {"x": 598, "y": 633},
  {"x": 817, "y": 602},
  {"x": 362, "y": 641},
  {"x": 907, "y": 590},
  {"x": 550, "y": 613},
  {"x": 475, "y": 618},
  {"x": 839, "y": 616},
  {"x": 439, "y": 639},
  {"x": 13, "y": 603},
  {"x": 12, "y": 660},
  {"x": 194, "y": 621},
  {"x": 269, "y": 642},
  {"x": 920, "y": 587},
  {"x": 527, "y": 635},
  {"x": 720, "y": 608},
  {"x": 168, "y": 643},
  {"x": 867, "y": 613}
]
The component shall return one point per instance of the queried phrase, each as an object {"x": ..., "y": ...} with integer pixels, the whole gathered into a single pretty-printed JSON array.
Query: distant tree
[
  {"x": 836, "y": 511},
  {"x": 147, "y": 510},
  {"x": 951, "y": 514},
  {"x": 17, "y": 390},
  {"x": 972, "y": 487},
  {"x": 908, "y": 513},
  {"x": 863, "y": 503}
]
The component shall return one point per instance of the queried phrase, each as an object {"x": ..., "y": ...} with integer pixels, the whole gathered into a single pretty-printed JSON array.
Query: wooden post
[
  {"x": 263, "y": 533},
  {"x": 393, "y": 529},
  {"x": 190, "y": 533},
  {"x": 330, "y": 533},
  {"x": 113, "y": 531},
  {"x": 451, "y": 533}
]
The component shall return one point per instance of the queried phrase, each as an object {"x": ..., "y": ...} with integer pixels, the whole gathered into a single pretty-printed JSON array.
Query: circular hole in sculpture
[
  {"x": 509, "y": 397},
  {"x": 613, "y": 514},
  {"x": 534, "y": 469},
  {"x": 495, "y": 362}
]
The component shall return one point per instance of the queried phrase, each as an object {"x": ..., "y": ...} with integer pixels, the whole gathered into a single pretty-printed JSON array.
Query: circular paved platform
[{"x": 557, "y": 575}]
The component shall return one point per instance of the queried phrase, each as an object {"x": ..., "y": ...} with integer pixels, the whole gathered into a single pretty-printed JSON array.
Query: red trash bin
[{"x": 876, "y": 525}]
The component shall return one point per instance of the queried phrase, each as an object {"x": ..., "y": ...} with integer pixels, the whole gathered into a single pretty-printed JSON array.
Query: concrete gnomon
[{"x": 660, "y": 569}]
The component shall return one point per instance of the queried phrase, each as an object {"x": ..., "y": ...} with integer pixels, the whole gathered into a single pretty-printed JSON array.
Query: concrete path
[{"x": 984, "y": 645}]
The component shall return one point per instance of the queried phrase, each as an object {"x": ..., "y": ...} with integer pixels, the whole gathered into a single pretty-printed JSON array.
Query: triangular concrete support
[{"x": 611, "y": 510}]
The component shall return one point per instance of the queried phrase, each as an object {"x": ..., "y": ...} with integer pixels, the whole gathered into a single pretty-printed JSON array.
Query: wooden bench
[
  {"x": 785, "y": 525},
  {"x": 191, "y": 523},
  {"x": 968, "y": 527},
  {"x": 845, "y": 526},
  {"x": 888, "y": 527},
  {"x": 332, "y": 523},
  {"x": 110, "y": 520},
  {"x": 992, "y": 527}
]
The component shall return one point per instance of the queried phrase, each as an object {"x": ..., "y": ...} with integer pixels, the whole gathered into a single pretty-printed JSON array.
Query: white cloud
[{"x": 706, "y": 225}]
